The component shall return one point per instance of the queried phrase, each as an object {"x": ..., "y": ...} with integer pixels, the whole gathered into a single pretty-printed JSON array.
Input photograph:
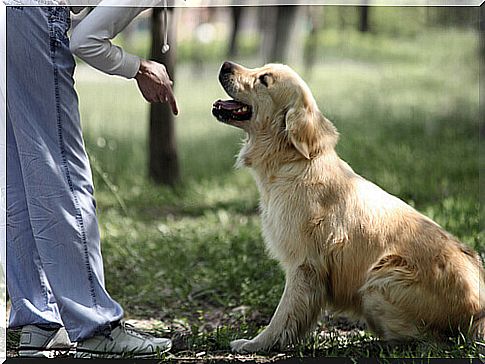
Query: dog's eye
[{"x": 264, "y": 79}]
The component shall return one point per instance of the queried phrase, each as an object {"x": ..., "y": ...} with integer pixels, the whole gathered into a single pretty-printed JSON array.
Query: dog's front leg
[{"x": 297, "y": 312}]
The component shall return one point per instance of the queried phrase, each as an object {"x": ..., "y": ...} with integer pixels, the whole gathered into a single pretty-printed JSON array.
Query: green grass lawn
[{"x": 192, "y": 259}]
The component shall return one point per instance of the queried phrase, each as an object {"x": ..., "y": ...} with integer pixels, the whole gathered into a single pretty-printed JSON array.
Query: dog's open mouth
[{"x": 231, "y": 112}]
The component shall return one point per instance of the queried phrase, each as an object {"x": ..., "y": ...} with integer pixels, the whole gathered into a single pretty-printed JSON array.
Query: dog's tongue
[{"x": 229, "y": 104}]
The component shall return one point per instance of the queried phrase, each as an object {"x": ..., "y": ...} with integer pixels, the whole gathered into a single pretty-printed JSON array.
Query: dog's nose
[{"x": 227, "y": 67}]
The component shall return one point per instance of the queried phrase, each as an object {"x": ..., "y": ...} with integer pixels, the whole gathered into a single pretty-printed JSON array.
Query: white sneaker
[
  {"x": 37, "y": 342},
  {"x": 123, "y": 342}
]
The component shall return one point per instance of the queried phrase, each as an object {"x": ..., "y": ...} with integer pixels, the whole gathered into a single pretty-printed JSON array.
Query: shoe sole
[
  {"x": 87, "y": 354},
  {"x": 90, "y": 355},
  {"x": 49, "y": 354}
]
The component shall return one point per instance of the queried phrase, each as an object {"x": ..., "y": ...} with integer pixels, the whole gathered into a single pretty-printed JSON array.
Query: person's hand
[{"x": 155, "y": 84}]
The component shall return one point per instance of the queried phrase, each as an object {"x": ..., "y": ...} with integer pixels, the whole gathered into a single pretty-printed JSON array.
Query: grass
[{"x": 192, "y": 260}]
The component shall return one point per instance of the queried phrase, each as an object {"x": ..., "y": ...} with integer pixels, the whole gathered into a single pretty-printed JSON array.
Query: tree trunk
[
  {"x": 285, "y": 20},
  {"x": 236, "y": 12},
  {"x": 364, "y": 18},
  {"x": 277, "y": 22},
  {"x": 163, "y": 160}
]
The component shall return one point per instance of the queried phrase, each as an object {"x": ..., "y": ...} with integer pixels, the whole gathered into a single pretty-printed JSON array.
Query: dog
[{"x": 344, "y": 244}]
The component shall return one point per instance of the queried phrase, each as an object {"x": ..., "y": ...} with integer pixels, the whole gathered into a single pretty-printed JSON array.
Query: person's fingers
[
  {"x": 158, "y": 89},
  {"x": 161, "y": 97},
  {"x": 147, "y": 90},
  {"x": 169, "y": 98},
  {"x": 172, "y": 101},
  {"x": 153, "y": 97}
]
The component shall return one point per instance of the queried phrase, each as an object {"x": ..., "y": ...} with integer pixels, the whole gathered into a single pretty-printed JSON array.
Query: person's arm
[{"x": 91, "y": 41}]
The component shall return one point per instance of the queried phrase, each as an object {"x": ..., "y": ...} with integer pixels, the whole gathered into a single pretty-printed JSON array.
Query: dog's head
[{"x": 277, "y": 110}]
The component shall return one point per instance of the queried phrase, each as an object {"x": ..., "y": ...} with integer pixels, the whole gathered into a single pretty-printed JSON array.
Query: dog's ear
[
  {"x": 309, "y": 131},
  {"x": 298, "y": 130}
]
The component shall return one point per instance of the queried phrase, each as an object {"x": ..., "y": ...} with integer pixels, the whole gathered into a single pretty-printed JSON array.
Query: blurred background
[{"x": 180, "y": 230}]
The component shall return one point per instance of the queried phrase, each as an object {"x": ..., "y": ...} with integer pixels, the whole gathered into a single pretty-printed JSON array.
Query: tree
[
  {"x": 163, "y": 161},
  {"x": 277, "y": 26},
  {"x": 236, "y": 12},
  {"x": 364, "y": 18}
]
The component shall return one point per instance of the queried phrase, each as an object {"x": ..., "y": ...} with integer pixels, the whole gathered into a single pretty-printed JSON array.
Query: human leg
[
  {"x": 29, "y": 289},
  {"x": 57, "y": 179}
]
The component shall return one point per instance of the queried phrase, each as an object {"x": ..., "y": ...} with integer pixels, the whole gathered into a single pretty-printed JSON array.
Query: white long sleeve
[{"x": 91, "y": 38}]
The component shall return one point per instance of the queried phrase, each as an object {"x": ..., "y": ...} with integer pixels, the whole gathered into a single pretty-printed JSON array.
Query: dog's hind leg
[
  {"x": 389, "y": 299},
  {"x": 386, "y": 319},
  {"x": 297, "y": 312},
  {"x": 401, "y": 301}
]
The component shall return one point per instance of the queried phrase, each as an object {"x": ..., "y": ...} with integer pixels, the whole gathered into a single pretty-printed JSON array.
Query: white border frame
[
  {"x": 149, "y": 3},
  {"x": 224, "y": 3},
  {"x": 3, "y": 182}
]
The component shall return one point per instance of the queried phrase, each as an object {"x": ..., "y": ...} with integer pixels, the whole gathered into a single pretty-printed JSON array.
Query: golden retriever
[{"x": 343, "y": 243}]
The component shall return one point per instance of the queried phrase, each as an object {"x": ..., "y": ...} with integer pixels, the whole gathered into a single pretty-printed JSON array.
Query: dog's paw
[{"x": 243, "y": 346}]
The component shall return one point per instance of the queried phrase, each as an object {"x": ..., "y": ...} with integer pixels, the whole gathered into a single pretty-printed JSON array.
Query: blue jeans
[{"x": 54, "y": 265}]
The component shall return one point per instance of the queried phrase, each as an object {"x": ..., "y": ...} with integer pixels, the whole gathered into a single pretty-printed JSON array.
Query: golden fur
[{"x": 343, "y": 242}]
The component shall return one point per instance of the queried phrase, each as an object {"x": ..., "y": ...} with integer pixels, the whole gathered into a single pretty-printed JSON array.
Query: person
[{"x": 55, "y": 275}]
